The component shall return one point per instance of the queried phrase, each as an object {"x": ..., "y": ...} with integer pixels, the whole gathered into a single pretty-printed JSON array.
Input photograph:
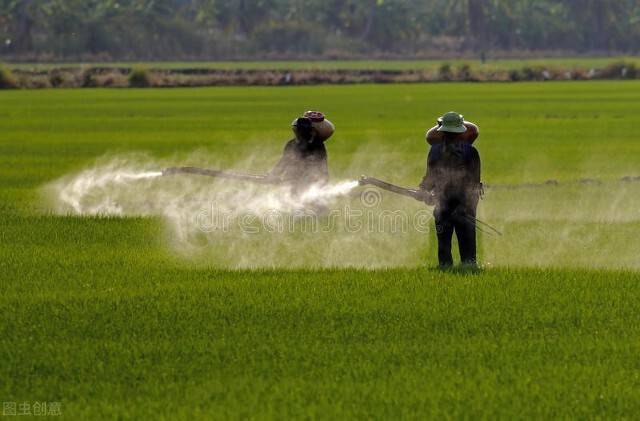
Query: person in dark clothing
[
  {"x": 304, "y": 160},
  {"x": 453, "y": 185}
]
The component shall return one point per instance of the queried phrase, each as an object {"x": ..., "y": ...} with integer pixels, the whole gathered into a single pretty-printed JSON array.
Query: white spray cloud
[
  {"x": 134, "y": 185},
  {"x": 587, "y": 225}
]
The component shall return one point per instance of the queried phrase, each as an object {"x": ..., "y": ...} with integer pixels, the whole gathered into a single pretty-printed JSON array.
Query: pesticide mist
[
  {"x": 122, "y": 187},
  {"x": 234, "y": 223},
  {"x": 238, "y": 224}
]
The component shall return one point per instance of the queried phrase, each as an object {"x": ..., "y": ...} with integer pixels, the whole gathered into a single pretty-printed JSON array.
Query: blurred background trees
[{"x": 214, "y": 29}]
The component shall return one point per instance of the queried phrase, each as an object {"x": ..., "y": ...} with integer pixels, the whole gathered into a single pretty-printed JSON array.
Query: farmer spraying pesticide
[
  {"x": 304, "y": 160},
  {"x": 303, "y": 163},
  {"x": 302, "y": 170},
  {"x": 452, "y": 184}
]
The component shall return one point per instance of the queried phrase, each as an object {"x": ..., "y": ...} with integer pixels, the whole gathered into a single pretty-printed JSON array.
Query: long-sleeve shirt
[
  {"x": 453, "y": 172},
  {"x": 302, "y": 164}
]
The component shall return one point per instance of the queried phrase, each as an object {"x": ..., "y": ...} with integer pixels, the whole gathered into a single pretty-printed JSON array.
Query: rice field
[{"x": 119, "y": 315}]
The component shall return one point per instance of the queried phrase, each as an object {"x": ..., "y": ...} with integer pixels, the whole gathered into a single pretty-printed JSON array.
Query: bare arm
[
  {"x": 434, "y": 136},
  {"x": 472, "y": 132}
]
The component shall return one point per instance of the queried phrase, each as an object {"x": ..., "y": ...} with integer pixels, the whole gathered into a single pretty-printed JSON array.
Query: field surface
[
  {"x": 507, "y": 64},
  {"x": 124, "y": 316}
]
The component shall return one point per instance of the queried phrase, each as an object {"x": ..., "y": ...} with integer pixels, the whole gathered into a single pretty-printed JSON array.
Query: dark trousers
[{"x": 458, "y": 218}]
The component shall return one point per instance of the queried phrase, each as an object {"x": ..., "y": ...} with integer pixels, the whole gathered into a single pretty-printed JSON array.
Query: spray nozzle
[{"x": 363, "y": 180}]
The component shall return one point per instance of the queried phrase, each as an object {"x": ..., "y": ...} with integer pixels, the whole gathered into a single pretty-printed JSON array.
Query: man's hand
[{"x": 426, "y": 196}]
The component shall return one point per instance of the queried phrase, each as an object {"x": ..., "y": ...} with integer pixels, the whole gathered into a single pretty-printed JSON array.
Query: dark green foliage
[
  {"x": 294, "y": 37},
  {"x": 532, "y": 73},
  {"x": 465, "y": 73},
  {"x": 59, "y": 78},
  {"x": 444, "y": 72},
  {"x": 140, "y": 77},
  {"x": 186, "y": 29},
  {"x": 620, "y": 70},
  {"x": 7, "y": 79},
  {"x": 88, "y": 79},
  {"x": 515, "y": 75}
]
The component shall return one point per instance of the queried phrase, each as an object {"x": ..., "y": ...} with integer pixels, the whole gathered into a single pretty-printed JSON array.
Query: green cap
[{"x": 452, "y": 122}]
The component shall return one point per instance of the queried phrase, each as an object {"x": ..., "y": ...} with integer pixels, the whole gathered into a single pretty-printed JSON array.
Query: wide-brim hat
[{"x": 452, "y": 122}]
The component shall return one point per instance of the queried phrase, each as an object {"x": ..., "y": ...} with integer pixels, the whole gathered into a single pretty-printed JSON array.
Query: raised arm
[
  {"x": 472, "y": 132},
  {"x": 434, "y": 136},
  {"x": 470, "y": 136}
]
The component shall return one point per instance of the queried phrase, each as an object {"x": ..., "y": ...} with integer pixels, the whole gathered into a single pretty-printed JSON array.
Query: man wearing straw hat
[{"x": 453, "y": 183}]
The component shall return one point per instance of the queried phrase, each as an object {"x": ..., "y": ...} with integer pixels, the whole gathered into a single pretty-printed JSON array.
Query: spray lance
[
  {"x": 255, "y": 178},
  {"x": 422, "y": 196}
]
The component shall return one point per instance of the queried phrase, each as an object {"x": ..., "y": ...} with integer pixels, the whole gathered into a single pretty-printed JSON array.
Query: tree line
[{"x": 218, "y": 29}]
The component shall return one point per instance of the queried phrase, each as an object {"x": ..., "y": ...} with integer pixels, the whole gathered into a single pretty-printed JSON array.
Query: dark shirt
[
  {"x": 302, "y": 164},
  {"x": 453, "y": 172}
]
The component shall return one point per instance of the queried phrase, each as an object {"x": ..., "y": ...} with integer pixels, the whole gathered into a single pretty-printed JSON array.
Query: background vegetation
[{"x": 214, "y": 29}]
